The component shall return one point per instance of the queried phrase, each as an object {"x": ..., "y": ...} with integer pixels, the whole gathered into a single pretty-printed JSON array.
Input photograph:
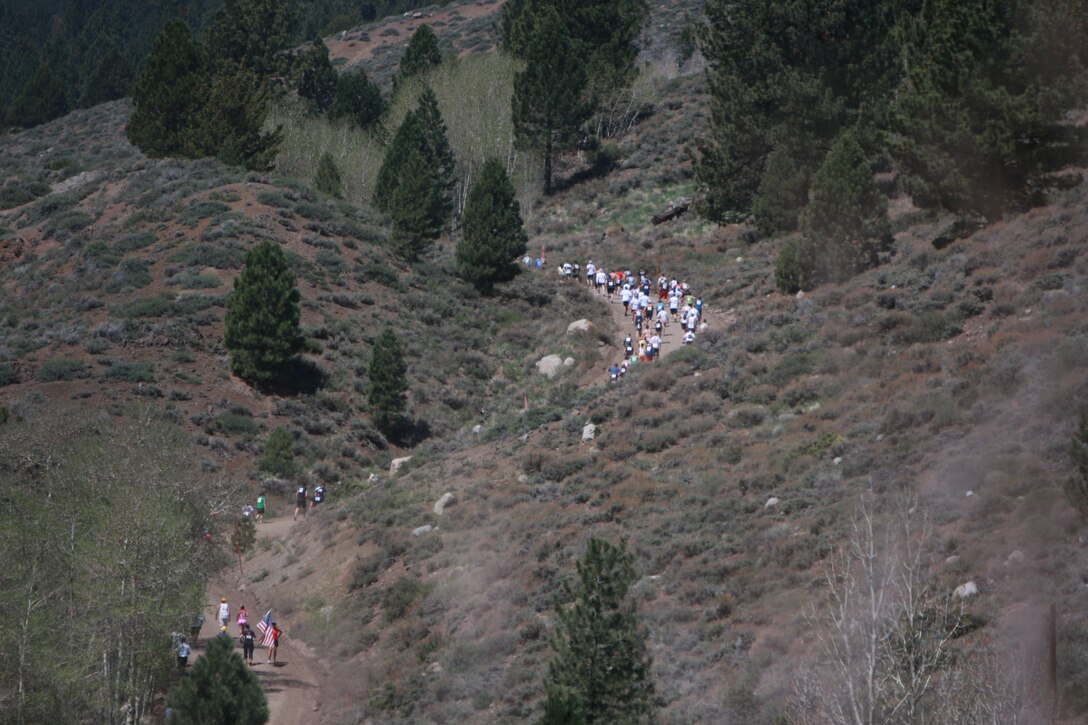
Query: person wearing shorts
[{"x": 300, "y": 501}]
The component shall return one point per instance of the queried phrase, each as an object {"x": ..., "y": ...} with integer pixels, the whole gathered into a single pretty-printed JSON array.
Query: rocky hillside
[{"x": 952, "y": 372}]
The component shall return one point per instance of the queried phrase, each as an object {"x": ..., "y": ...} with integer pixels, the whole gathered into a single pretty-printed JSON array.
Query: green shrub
[
  {"x": 132, "y": 242},
  {"x": 790, "y": 265},
  {"x": 398, "y": 599},
  {"x": 235, "y": 424},
  {"x": 131, "y": 372},
  {"x": 278, "y": 457},
  {"x": 8, "y": 374},
  {"x": 62, "y": 369}
]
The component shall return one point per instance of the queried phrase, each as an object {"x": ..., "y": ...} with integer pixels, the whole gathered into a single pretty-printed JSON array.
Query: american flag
[{"x": 265, "y": 628}]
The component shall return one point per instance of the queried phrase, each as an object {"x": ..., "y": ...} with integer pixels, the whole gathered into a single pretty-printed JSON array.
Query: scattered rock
[
  {"x": 589, "y": 432},
  {"x": 963, "y": 591},
  {"x": 969, "y": 494},
  {"x": 800, "y": 294},
  {"x": 771, "y": 503},
  {"x": 952, "y": 562},
  {"x": 549, "y": 365},
  {"x": 522, "y": 478},
  {"x": 568, "y": 362},
  {"x": 424, "y": 529},
  {"x": 448, "y": 499},
  {"x": 396, "y": 464},
  {"x": 582, "y": 325},
  {"x": 373, "y": 478},
  {"x": 837, "y": 460},
  {"x": 477, "y": 429},
  {"x": 1016, "y": 557}
]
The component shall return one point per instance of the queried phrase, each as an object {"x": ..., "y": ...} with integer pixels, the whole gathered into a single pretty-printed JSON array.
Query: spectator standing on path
[
  {"x": 183, "y": 654},
  {"x": 260, "y": 508},
  {"x": 224, "y": 612},
  {"x": 249, "y": 640},
  {"x": 300, "y": 501}
]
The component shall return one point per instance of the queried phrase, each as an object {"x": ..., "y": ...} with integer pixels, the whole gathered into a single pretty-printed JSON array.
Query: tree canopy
[
  {"x": 219, "y": 688},
  {"x": 600, "y": 672},
  {"x": 493, "y": 236},
  {"x": 262, "y": 320},
  {"x": 387, "y": 382},
  {"x": 421, "y": 55}
]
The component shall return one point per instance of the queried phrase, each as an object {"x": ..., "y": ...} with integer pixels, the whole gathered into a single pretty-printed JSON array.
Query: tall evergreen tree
[
  {"x": 788, "y": 75},
  {"x": 847, "y": 218},
  {"x": 980, "y": 109},
  {"x": 357, "y": 99},
  {"x": 387, "y": 382},
  {"x": 220, "y": 689},
  {"x": 417, "y": 206},
  {"x": 253, "y": 35},
  {"x": 492, "y": 233},
  {"x": 262, "y": 321},
  {"x": 424, "y": 131},
  {"x": 111, "y": 77},
  {"x": 230, "y": 126},
  {"x": 327, "y": 177},
  {"x": 168, "y": 92},
  {"x": 600, "y": 670},
  {"x": 318, "y": 80},
  {"x": 548, "y": 107},
  {"x": 42, "y": 99},
  {"x": 421, "y": 55}
]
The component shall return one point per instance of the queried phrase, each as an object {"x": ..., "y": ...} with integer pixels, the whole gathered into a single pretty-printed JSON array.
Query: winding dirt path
[{"x": 292, "y": 685}]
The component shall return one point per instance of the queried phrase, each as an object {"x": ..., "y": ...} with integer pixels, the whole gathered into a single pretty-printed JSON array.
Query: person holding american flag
[{"x": 270, "y": 635}]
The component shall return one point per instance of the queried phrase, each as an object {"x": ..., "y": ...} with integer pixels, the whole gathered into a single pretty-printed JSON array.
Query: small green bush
[
  {"x": 132, "y": 242},
  {"x": 398, "y": 599},
  {"x": 131, "y": 372},
  {"x": 8, "y": 374},
  {"x": 790, "y": 265},
  {"x": 62, "y": 369},
  {"x": 235, "y": 424}
]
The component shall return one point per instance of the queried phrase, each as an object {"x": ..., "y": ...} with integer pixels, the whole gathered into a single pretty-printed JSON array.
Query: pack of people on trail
[{"x": 653, "y": 306}]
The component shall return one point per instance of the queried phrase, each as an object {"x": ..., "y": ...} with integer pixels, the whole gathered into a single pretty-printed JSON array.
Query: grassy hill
[{"x": 953, "y": 371}]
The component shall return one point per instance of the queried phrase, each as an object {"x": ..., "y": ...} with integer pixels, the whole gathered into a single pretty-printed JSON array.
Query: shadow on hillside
[
  {"x": 301, "y": 377},
  {"x": 411, "y": 433}
]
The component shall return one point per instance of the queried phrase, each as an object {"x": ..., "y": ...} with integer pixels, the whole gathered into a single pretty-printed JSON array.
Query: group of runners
[
  {"x": 652, "y": 306},
  {"x": 247, "y": 637}
]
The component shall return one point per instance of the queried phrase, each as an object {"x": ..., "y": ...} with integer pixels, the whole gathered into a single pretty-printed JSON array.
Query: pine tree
[
  {"x": 388, "y": 382},
  {"x": 327, "y": 178},
  {"x": 318, "y": 80},
  {"x": 42, "y": 98},
  {"x": 230, "y": 126},
  {"x": 600, "y": 670},
  {"x": 421, "y": 55},
  {"x": 168, "y": 93},
  {"x": 492, "y": 233},
  {"x": 846, "y": 219},
  {"x": 253, "y": 35},
  {"x": 424, "y": 132},
  {"x": 262, "y": 320},
  {"x": 417, "y": 207},
  {"x": 980, "y": 110},
  {"x": 548, "y": 108},
  {"x": 219, "y": 689},
  {"x": 358, "y": 99},
  {"x": 111, "y": 78}
]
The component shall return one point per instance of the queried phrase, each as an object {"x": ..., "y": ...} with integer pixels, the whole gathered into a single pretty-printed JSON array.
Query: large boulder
[
  {"x": 448, "y": 499},
  {"x": 582, "y": 325},
  {"x": 549, "y": 365},
  {"x": 396, "y": 464},
  {"x": 589, "y": 432},
  {"x": 964, "y": 591}
]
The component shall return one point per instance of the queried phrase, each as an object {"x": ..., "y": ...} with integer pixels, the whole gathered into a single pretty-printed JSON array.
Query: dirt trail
[
  {"x": 671, "y": 337},
  {"x": 292, "y": 685}
]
